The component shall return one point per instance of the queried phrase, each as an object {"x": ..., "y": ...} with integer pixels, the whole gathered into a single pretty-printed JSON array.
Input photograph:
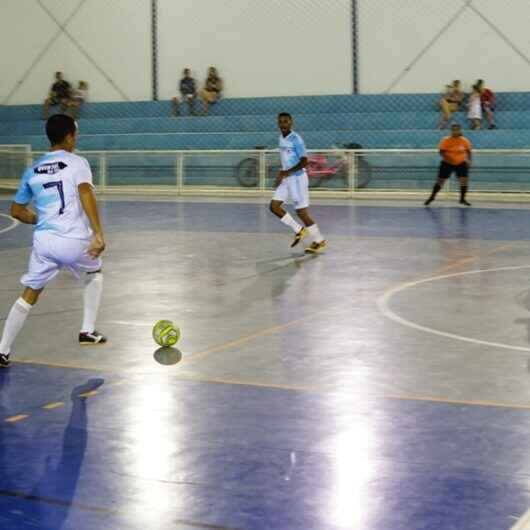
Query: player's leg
[
  {"x": 299, "y": 191},
  {"x": 42, "y": 269},
  {"x": 281, "y": 195},
  {"x": 318, "y": 243},
  {"x": 72, "y": 254},
  {"x": 88, "y": 335},
  {"x": 444, "y": 172},
  {"x": 286, "y": 218},
  {"x": 15, "y": 321},
  {"x": 462, "y": 172}
]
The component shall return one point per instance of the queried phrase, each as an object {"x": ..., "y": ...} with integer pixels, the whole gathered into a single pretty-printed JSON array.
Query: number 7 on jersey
[{"x": 59, "y": 185}]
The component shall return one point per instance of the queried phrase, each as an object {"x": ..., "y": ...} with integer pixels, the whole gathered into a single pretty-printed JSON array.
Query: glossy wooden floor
[{"x": 382, "y": 386}]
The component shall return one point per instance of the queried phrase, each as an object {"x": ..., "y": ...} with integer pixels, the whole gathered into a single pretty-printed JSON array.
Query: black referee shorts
[{"x": 446, "y": 170}]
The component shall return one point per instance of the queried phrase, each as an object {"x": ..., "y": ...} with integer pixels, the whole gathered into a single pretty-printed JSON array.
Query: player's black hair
[
  {"x": 58, "y": 127},
  {"x": 284, "y": 115},
  {"x": 456, "y": 125}
]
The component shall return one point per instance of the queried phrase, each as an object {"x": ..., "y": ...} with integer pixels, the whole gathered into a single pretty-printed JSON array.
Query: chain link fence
[{"x": 363, "y": 73}]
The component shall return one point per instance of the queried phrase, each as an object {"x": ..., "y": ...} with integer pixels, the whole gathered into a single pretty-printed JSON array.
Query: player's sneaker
[
  {"x": 91, "y": 339},
  {"x": 299, "y": 236},
  {"x": 465, "y": 203},
  {"x": 428, "y": 201},
  {"x": 4, "y": 360},
  {"x": 316, "y": 248}
]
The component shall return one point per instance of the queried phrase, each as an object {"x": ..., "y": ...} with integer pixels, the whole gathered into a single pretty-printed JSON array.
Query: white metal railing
[{"x": 342, "y": 172}]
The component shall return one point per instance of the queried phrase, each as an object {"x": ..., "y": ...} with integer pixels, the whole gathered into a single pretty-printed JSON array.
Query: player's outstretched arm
[
  {"x": 88, "y": 201},
  {"x": 22, "y": 213}
]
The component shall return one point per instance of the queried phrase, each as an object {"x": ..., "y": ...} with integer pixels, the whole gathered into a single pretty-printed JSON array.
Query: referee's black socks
[{"x": 435, "y": 190}]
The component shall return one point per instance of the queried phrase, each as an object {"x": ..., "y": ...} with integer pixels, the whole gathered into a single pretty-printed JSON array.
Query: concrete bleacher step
[
  {"x": 320, "y": 139},
  {"x": 300, "y": 105},
  {"x": 264, "y": 123}
]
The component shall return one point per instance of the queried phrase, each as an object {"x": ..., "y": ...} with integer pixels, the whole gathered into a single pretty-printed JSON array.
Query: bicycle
[{"x": 319, "y": 168}]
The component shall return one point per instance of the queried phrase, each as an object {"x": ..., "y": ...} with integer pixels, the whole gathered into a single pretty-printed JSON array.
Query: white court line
[
  {"x": 125, "y": 323},
  {"x": 383, "y": 304},
  {"x": 13, "y": 224},
  {"x": 523, "y": 523}
]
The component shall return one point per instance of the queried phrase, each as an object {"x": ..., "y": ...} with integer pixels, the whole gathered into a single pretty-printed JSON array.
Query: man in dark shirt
[
  {"x": 60, "y": 93},
  {"x": 188, "y": 91}
]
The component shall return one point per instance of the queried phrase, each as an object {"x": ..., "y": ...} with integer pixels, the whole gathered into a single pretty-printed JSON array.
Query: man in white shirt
[
  {"x": 68, "y": 233},
  {"x": 292, "y": 183}
]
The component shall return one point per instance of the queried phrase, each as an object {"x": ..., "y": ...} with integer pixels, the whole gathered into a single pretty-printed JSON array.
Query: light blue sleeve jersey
[
  {"x": 51, "y": 184},
  {"x": 292, "y": 150}
]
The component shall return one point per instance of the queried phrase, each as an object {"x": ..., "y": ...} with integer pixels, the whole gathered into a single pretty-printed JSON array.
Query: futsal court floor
[{"x": 384, "y": 385}]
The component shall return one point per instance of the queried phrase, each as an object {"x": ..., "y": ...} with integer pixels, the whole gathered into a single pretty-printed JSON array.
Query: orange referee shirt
[{"x": 455, "y": 149}]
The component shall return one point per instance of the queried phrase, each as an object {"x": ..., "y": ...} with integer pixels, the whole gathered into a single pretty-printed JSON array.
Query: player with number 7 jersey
[{"x": 68, "y": 233}]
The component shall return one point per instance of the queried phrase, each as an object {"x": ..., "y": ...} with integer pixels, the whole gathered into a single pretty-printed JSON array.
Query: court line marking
[
  {"x": 311, "y": 389},
  {"x": 383, "y": 304},
  {"x": 90, "y": 393},
  {"x": 60, "y": 365},
  {"x": 14, "y": 223},
  {"x": 54, "y": 405},
  {"x": 393, "y": 397},
  {"x": 51, "y": 406},
  {"x": 281, "y": 327},
  {"x": 247, "y": 338},
  {"x": 18, "y": 417},
  {"x": 469, "y": 259}
]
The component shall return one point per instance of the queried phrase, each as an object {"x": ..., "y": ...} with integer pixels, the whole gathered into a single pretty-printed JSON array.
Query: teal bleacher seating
[{"x": 374, "y": 121}]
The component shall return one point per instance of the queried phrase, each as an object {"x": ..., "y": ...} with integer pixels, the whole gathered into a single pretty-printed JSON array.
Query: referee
[{"x": 455, "y": 151}]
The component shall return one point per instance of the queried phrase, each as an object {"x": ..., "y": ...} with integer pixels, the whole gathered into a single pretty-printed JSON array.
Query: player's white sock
[
  {"x": 91, "y": 298},
  {"x": 288, "y": 220},
  {"x": 314, "y": 233},
  {"x": 14, "y": 322}
]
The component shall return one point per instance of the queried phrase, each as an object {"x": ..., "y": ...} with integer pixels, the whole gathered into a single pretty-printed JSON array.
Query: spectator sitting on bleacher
[
  {"x": 79, "y": 97},
  {"x": 450, "y": 102},
  {"x": 487, "y": 98},
  {"x": 213, "y": 87},
  {"x": 188, "y": 91},
  {"x": 60, "y": 93}
]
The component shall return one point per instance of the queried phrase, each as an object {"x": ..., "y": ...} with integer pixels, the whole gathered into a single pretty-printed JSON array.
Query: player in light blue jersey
[
  {"x": 68, "y": 233},
  {"x": 292, "y": 183}
]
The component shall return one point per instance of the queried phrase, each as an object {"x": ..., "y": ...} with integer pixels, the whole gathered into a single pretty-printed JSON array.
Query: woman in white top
[{"x": 474, "y": 114}]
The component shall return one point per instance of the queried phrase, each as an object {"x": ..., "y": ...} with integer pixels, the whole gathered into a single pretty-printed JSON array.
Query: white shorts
[
  {"x": 295, "y": 188},
  {"x": 51, "y": 253}
]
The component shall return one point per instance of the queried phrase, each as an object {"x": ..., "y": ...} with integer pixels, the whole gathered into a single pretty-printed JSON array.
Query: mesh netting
[
  {"x": 13, "y": 161},
  {"x": 365, "y": 72}
]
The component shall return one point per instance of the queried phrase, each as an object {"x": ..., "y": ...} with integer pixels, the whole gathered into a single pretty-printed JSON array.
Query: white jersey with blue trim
[
  {"x": 51, "y": 183},
  {"x": 292, "y": 149}
]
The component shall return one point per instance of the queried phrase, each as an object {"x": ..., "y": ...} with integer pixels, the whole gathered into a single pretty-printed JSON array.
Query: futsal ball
[{"x": 166, "y": 333}]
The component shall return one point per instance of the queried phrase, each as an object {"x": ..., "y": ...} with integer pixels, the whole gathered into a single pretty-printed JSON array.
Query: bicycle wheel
[
  {"x": 364, "y": 173},
  {"x": 314, "y": 181},
  {"x": 247, "y": 173}
]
